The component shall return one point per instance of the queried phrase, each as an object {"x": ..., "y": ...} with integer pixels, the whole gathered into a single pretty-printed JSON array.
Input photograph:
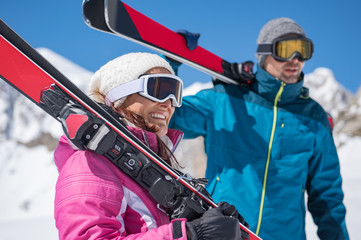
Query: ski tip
[{"x": 93, "y": 14}]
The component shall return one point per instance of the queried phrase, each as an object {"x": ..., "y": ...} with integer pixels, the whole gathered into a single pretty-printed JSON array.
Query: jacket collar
[
  {"x": 268, "y": 86},
  {"x": 171, "y": 139}
]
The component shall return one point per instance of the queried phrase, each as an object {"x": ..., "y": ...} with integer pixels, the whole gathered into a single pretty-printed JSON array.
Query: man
[{"x": 269, "y": 142}]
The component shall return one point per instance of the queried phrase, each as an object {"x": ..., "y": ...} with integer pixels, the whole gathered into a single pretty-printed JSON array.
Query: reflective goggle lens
[
  {"x": 285, "y": 49},
  {"x": 161, "y": 88}
]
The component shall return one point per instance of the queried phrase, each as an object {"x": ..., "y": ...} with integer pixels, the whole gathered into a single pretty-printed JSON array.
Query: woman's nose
[{"x": 167, "y": 103}]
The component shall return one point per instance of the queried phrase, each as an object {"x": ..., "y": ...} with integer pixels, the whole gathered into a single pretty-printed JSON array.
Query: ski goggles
[
  {"x": 285, "y": 49},
  {"x": 155, "y": 87}
]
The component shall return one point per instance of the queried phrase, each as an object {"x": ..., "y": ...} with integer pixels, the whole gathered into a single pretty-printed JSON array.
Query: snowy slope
[{"x": 28, "y": 138}]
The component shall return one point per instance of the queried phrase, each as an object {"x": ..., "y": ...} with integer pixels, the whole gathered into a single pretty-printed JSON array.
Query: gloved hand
[
  {"x": 191, "y": 38},
  {"x": 217, "y": 223},
  {"x": 230, "y": 210},
  {"x": 240, "y": 72},
  {"x": 191, "y": 42}
]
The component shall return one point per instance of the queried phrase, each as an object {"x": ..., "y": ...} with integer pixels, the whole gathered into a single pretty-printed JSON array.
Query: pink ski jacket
[{"x": 96, "y": 200}]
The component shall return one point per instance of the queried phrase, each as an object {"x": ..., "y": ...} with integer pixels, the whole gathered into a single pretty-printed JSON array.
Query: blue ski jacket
[{"x": 266, "y": 145}]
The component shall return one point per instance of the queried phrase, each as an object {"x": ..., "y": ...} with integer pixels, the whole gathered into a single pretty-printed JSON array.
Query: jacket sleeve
[
  {"x": 191, "y": 117},
  {"x": 91, "y": 205},
  {"x": 324, "y": 187}
]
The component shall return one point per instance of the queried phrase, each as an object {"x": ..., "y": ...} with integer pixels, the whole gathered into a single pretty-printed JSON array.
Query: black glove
[
  {"x": 240, "y": 72},
  {"x": 215, "y": 224},
  {"x": 230, "y": 210}
]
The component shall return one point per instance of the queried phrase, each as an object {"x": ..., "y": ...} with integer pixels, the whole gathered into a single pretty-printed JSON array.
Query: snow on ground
[
  {"x": 27, "y": 189},
  {"x": 27, "y": 182},
  {"x": 350, "y": 155}
]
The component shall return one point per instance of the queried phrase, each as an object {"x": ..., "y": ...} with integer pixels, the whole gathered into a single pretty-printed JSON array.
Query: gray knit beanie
[
  {"x": 121, "y": 70},
  {"x": 276, "y": 28}
]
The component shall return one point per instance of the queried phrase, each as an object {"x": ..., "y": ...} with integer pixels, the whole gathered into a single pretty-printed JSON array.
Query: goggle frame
[
  {"x": 140, "y": 86},
  {"x": 271, "y": 49}
]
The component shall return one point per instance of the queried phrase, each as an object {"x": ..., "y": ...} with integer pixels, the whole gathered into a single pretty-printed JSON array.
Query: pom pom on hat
[
  {"x": 276, "y": 28},
  {"x": 121, "y": 70}
]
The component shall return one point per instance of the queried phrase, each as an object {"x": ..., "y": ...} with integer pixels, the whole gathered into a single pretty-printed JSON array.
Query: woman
[{"x": 96, "y": 200}]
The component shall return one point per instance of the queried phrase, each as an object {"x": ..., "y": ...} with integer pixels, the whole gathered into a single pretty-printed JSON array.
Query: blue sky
[{"x": 228, "y": 29}]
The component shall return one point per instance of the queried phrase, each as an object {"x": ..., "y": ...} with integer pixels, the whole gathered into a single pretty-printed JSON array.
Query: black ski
[{"x": 94, "y": 127}]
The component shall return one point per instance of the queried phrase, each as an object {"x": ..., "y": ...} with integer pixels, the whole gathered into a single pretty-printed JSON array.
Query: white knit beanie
[{"x": 121, "y": 70}]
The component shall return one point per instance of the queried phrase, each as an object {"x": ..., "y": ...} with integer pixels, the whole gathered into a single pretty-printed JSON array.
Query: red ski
[{"x": 116, "y": 17}]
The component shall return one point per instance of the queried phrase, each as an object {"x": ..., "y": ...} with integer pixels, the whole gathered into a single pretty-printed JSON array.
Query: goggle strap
[
  {"x": 125, "y": 90},
  {"x": 264, "y": 48}
]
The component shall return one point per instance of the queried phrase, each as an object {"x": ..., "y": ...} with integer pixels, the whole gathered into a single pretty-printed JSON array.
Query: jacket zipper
[{"x": 277, "y": 98}]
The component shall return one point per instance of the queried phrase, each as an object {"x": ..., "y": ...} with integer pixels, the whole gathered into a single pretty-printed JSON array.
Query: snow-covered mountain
[
  {"x": 344, "y": 107},
  {"x": 28, "y": 138},
  {"x": 334, "y": 98}
]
